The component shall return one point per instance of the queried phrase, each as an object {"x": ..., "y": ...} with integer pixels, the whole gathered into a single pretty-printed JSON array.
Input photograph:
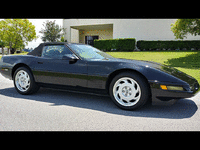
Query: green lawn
[{"x": 187, "y": 61}]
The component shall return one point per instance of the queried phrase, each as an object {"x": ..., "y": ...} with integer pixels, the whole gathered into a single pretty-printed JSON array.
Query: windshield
[{"x": 88, "y": 52}]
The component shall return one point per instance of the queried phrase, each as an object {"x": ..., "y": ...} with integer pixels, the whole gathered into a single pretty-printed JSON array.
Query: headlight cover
[
  {"x": 177, "y": 88},
  {"x": 173, "y": 88}
]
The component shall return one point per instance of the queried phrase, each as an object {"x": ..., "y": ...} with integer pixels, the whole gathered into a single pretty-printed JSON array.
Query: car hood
[{"x": 167, "y": 69}]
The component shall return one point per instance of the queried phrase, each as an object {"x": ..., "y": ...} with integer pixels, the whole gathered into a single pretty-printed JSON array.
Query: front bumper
[{"x": 166, "y": 95}]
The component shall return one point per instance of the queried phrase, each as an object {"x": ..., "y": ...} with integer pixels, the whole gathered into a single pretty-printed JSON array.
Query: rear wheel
[
  {"x": 129, "y": 91},
  {"x": 24, "y": 81}
]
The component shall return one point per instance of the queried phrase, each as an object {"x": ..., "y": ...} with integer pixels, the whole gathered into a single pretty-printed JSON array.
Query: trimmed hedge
[
  {"x": 126, "y": 44},
  {"x": 129, "y": 44},
  {"x": 154, "y": 45}
]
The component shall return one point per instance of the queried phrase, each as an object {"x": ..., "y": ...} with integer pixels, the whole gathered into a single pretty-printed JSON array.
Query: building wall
[
  {"x": 141, "y": 29},
  {"x": 103, "y": 34},
  {"x": 69, "y": 23},
  {"x": 74, "y": 36},
  {"x": 146, "y": 29}
]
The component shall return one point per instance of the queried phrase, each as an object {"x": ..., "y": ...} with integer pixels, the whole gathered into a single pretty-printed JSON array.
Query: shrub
[
  {"x": 126, "y": 44},
  {"x": 129, "y": 44},
  {"x": 153, "y": 45}
]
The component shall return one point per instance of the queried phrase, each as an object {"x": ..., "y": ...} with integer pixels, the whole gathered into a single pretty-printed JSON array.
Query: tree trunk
[
  {"x": 2, "y": 51},
  {"x": 8, "y": 52}
]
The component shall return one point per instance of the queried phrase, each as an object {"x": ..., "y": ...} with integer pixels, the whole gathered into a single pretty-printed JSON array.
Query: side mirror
[{"x": 70, "y": 57}]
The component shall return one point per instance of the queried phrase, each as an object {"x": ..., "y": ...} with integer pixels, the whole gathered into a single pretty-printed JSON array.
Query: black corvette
[{"x": 130, "y": 83}]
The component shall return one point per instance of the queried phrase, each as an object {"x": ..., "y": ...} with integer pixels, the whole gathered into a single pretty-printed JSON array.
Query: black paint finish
[{"x": 93, "y": 75}]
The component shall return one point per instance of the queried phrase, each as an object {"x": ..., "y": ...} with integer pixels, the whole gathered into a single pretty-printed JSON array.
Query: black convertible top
[{"x": 38, "y": 50}]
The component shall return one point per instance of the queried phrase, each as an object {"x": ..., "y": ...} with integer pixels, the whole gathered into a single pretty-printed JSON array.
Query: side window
[{"x": 55, "y": 51}]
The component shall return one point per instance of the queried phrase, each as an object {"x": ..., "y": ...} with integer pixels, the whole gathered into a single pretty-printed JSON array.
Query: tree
[
  {"x": 184, "y": 26},
  {"x": 2, "y": 36},
  {"x": 63, "y": 39},
  {"x": 16, "y": 32},
  {"x": 52, "y": 32}
]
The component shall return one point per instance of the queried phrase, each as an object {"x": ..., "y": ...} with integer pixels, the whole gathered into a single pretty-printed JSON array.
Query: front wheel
[
  {"x": 24, "y": 81},
  {"x": 129, "y": 91}
]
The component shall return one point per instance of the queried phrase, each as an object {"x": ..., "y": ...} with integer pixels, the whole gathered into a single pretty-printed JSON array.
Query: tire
[
  {"x": 24, "y": 81},
  {"x": 129, "y": 91}
]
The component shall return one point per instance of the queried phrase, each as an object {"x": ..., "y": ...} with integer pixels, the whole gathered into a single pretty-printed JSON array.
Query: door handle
[{"x": 39, "y": 62}]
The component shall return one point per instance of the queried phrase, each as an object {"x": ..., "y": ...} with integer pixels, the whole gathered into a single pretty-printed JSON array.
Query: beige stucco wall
[
  {"x": 103, "y": 34},
  {"x": 72, "y": 33},
  {"x": 141, "y": 29}
]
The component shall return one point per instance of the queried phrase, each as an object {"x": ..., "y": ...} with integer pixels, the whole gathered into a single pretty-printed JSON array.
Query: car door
[{"x": 50, "y": 68}]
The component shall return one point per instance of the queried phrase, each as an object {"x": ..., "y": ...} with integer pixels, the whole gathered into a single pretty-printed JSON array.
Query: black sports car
[{"x": 130, "y": 83}]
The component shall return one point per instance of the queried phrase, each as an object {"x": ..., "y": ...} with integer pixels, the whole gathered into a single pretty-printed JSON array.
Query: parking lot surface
[{"x": 54, "y": 110}]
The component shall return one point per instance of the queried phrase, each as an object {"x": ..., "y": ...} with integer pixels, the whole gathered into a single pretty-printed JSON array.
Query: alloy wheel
[{"x": 126, "y": 91}]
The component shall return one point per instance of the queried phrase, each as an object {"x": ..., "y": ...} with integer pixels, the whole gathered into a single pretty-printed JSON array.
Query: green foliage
[
  {"x": 15, "y": 33},
  {"x": 154, "y": 45},
  {"x": 2, "y": 44},
  {"x": 184, "y": 26},
  {"x": 52, "y": 32},
  {"x": 127, "y": 44},
  {"x": 62, "y": 39}
]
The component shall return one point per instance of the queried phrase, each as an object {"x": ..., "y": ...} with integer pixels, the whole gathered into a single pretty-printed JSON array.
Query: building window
[{"x": 90, "y": 40}]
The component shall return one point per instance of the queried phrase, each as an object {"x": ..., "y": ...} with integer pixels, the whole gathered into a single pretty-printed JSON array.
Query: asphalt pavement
[{"x": 54, "y": 110}]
